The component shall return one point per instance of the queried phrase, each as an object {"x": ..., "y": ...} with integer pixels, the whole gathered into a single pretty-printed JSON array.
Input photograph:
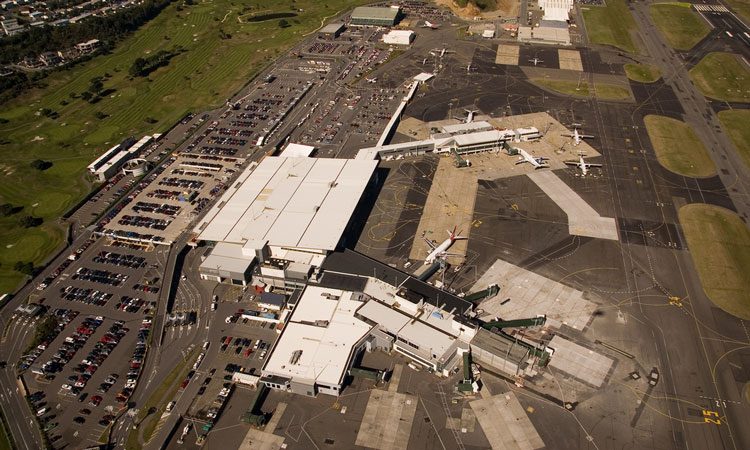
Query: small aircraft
[
  {"x": 443, "y": 51},
  {"x": 582, "y": 164},
  {"x": 440, "y": 251},
  {"x": 428, "y": 24},
  {"x": 577, "y": 137},
  {"x": 537, "y": 162},
  {"x": 371, "y": 80},
  {"x": 470, "y": 115},
  {"x": 536, "y": 60}
]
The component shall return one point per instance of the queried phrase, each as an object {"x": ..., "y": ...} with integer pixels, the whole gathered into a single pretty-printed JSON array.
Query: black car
[
  {"x": 79, "y": 420},
  {"x": 83, "y": 396}
]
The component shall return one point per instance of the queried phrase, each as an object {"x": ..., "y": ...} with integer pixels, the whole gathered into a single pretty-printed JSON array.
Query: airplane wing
[
  {"x": 571, "y": 163},
  {"x": 593, "y": 165},
  {"x": 585, "y": 136},
  {"x": 567, "y": 135},
  {"x": 429, "y": 242}
]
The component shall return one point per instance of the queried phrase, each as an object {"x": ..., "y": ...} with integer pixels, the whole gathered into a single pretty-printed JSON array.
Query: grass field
[
  {"x": 610, "y": 25},
  {"x": 679, "y": 24},
  {"x": 602, "y": 91},
  {"x": 210, "y": 69},
  {"x": 722, "y": 76},
  {"x": 719, "y": 244},
  {"x": 735, "y": 123},
  {"x": 642, "y": 73},
  {"x": 678, "y": 148}
]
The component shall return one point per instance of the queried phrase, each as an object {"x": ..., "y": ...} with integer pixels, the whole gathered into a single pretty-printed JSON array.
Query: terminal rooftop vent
[
  {"x": 330, "y": 296},
  {"x": 333, "y": 184},
  {"x": 296, "y": 355}
]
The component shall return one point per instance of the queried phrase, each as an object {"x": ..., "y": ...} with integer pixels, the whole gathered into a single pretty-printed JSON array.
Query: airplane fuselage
[{"x": 439, "y": 250}]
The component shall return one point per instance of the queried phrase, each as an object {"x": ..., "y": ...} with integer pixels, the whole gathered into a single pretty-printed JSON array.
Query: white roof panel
[
  {"x": 317, "y": 193},
  {"x": 326, "y": 347},
  {"x": 289, "y": 228}
]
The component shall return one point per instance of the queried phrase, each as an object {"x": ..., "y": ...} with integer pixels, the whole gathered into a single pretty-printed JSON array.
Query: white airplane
[
  {"x": 577, "y": 137},
  {"x": 443, "y": 51},
  {"x": 428, "y": 24},
  {"x": 470, "y": 115},
  {"x": 536, "y": 60},
  {"x": 537, "y": 162},
  {"x": 371, "y": 80},
  {"x": 582, "y": 164},
  {"x": 440, "y": 251}
]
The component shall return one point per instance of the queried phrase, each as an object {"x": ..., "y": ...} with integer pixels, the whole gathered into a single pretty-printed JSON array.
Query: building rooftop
[
  {"x": 465, "y": 127},
  {"x": 319, "y": 338},
  {"x": 499, "y": 345},
  {"x": 297, "y": 151},
  {"x": 374, "y": 12},
  {"x": 354, "y": 263},
  {"x": 227, "y": 257},
  {"x": 291, "y": 202},
  {"x": 332, "y": 28}
]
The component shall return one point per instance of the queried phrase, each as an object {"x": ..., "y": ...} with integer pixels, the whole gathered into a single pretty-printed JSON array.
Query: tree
[
  {"x": 86, "y": 95},
  {"x": 41, "y": 165},
  {"x": 7, "y": 209},
  {"x": 30, "y": 221},
  {"x": 283, "y": 23},
  {"x": 100, "y": 115},
  {"x": 96, "y": 85},
  {"x": 25, "y": 268}
]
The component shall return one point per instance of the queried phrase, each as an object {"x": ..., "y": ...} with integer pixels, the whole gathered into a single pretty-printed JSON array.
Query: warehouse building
[
  {"x": 285, "y": 216},
  {"x": 331, "y": 31},
  {"x": 399, "y": 37},
  {"x": 378, "y": 16}
]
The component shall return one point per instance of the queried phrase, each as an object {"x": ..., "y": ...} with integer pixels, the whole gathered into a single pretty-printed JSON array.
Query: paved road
[
  {"x": 698, "y": 112},
  {"x": 701, "y": 117}
]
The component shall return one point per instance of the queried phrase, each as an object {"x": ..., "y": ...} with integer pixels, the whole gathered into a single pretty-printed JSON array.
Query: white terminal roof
[
  {"x": 480, "y": 137},
  {"x": 227, "y": 257},
  {"x": 301, "y": 203},
  {"x": 400, "y": 33},
  {"x": 297, "y": 151},
  {"x": 464, "y": 127},
  {"x": 433, "y": 340},
  {"x": 325, "y": 348},
  {"x": 424, "y": 76}
]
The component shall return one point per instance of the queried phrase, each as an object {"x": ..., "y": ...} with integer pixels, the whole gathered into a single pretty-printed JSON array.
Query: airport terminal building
[{"x": 282, "y": 217}]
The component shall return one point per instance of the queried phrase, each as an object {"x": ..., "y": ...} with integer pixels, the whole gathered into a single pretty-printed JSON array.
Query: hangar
[{"x": 372, "y": 15}]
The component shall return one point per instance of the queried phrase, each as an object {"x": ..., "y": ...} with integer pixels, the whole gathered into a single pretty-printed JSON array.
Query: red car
[
  {"x": 95, "y": 400},
  {"x": 184, "y": 383}
]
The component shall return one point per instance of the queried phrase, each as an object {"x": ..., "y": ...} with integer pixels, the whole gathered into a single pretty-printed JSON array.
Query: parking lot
[
  {"x": 102, "y": 298},
  {"x": 165, "y": 204}
]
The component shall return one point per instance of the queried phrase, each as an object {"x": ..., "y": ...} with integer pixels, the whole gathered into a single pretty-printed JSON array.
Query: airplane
[
  {"x": 582, "y": 164},
  {"x": 470, "y": 115},
  {"x": 577, "y": 137},
  {"x": 428, "y": 24},
  {"x": 536, "y": 60},
  {"x": 537, "y": 162},
  {"x": 371, "y": 80},
  {"x": 440, "y": 251},
  {"x": 443, "y": 51}
]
